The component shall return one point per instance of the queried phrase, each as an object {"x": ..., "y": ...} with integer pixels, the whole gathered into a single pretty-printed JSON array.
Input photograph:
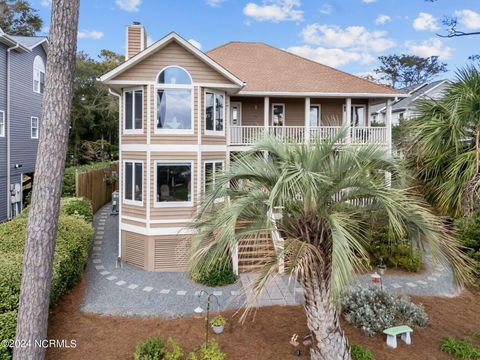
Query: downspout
[
  {"x": 119, "y": 170},
  {"x": 9, "y": 215}
]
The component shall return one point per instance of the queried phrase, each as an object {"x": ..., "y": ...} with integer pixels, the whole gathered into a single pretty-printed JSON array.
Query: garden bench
[{"x": 392, "y": 333}]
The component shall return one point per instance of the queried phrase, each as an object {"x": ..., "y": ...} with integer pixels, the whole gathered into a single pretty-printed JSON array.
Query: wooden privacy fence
[{"x": 97, "y": 185}]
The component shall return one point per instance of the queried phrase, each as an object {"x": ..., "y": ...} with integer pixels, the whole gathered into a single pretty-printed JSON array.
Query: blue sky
[{"x": 347, "y": 34}]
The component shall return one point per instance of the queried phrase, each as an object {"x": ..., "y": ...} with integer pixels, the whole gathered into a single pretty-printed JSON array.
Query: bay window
[
  {"x": 173, "y": 184},
  {"x": 211, "y": 168},
  {"x": 214, "y": 112},
  {"x": 134, "y": 110},
  {"x": 133, "y": 182},
  {"x": 174, "y": 100}
]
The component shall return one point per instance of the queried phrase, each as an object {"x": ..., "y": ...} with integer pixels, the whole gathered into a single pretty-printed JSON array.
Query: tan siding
[
  {"x": 172, "y": 54},
  {"x": 171, "y": 252},
  {"x": 134, "y": 248},
  {"x": 134, "y": 36},
  {"x": 294, "y": 111},
  {"x": 331, "y": 111},
  {"x": 134, "y": 223},
  {"x": 252, "y": 110}
]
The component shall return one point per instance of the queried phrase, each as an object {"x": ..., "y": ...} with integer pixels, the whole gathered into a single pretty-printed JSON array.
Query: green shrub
[
  {"x": 208, "y": 351},
  {"x": 460, "y": 349},
  {"x": 360, "y": 353},
  {"x": 68, "y": 188},
  {"x": 174, "y": 351},
  {"x": 218, "y": 274},
  {"x": 71, "y": 253},
  {"x": 77, "y": 206},
  {"x": 374, "y": 310},
  {"x": 469, "y": 236},
  {"x": 150, "y": 349}
]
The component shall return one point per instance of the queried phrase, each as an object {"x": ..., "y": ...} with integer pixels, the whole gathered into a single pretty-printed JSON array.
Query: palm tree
[
  {"x": 445, "y": 155},
  {"x": 323, "y": 191}
]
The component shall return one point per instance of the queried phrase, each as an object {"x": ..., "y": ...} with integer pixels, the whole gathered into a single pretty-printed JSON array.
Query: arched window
[
  {"x": 174, "y": 75},
  {"x": 38, "y": 75},
  {"x": 174, "y": 100}
]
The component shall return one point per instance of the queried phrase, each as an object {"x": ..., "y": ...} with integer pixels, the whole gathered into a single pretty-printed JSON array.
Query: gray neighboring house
[
  {"x": 405, "y": 107},
  {"x": 22, "y": 79}
]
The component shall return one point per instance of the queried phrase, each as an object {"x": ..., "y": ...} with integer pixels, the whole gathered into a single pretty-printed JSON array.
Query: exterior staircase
[{"x": 255, "y": 252}]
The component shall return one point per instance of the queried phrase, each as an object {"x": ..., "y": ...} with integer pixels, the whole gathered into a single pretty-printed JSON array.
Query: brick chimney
[{"x": 136, "y": 39}]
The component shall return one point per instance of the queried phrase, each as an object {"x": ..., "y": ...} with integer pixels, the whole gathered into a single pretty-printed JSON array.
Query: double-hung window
[
  {"x": 2, "y": 123},
  {"x": 34, "y": 127},
  {"x": 134, "y": 111},
  {"x": 173, "y": 183},
  {"x": 214, "y": 113},
  {"x": 133, "y": 182},
  {"x": 174, "y": 101},
  {"x": 211, "y": 169},
  {"x": 38, "y": 75}
]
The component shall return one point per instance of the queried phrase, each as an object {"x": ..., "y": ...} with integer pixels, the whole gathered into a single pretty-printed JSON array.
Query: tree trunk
[
  {"x": 32, "y": 320},
  {"x": 329, "y": 341}
]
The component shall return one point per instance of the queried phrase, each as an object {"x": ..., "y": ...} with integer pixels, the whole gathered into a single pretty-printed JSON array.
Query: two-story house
[
  {"x": 184, "y": 113},
  {"x": 22, "y": 78}
]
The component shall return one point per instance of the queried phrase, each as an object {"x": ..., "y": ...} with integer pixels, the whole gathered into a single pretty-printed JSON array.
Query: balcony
[{"x": 249, "y": 135}]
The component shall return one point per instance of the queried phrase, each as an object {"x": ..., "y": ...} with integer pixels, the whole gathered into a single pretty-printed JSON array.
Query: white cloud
[
  {"x": 432, "y": 47},
  {"x": 326, "y": 9},
  {"x": 382, "y": 19},
  {"x": 129, "y": 5},
  {"x": 332, "y": 57},
  {"x": 150, "y": 41},
  {"x": 214, "y": 3},
  {"x": 274, "y": 10},
  {"x": 468, "y": 18},
  {"x": 425, "y": 22},
  {"x": 90, "y": 34},
  {"x": 356, "y": 38},
  {"x": 369, "y": 1},
  {"x": 195, "y": 43},
  {"x": 46, "y": 3}
]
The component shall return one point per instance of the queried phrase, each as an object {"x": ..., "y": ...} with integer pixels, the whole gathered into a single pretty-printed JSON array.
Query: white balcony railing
[{"x": 248, "y": 135}]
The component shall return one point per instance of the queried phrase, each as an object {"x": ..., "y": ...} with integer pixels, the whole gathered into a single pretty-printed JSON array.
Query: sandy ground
[{"x": 264, "y": 336}]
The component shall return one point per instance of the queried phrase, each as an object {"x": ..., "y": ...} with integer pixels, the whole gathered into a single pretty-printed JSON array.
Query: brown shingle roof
[{"x": 268, "y": 69}]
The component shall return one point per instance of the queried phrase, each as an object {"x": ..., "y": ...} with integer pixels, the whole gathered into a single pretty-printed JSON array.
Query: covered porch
[{"x": 306, "y": 120}]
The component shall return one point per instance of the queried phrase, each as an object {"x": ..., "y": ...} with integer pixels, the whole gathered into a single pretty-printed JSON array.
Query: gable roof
[
  {"x": 414, "y": 92},
  {"x": 267, "y": 69},
  {"x": 24, "y": 43},
  {"x": 159, "y": 45}
]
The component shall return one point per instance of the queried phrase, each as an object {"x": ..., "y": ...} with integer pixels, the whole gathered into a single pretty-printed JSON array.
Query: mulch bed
[{"x": 265, "y": 335}]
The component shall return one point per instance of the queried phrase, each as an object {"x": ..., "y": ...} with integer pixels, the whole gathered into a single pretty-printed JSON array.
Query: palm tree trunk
[
  {"x": 329, "y": 341},
  {"x": 32, "y": 320}
]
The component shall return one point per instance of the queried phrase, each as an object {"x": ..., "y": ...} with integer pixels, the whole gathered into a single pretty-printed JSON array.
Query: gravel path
[{"x": 130, "y": 291}]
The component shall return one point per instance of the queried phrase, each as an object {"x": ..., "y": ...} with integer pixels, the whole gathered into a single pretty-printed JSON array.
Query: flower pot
[{"x": 217, "y": 329}]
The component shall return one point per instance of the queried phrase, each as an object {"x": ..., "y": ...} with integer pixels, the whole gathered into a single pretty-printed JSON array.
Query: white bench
[{"x": 404, "y": 332}]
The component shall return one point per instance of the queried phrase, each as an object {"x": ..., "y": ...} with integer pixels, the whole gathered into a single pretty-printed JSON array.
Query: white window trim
[
  {"x": 171, "y": 204},
  {"x": 37, "y": 127},
  {"x": 2, "y": 120},
  {"x": 239, "y": 103},
  {"x": 40, "y": 71},
  {"x": 319, "y": 113},
  {"x": 213, "y": 162},
  {"x": 213, "y": 132},
  {"x": 284, "y": 114},
  {"x": 365, "y": 112},
  {"x": 174, "y": 87},
  {"x": 132, "y": 90},
  {"x": 133, "y": 201}
]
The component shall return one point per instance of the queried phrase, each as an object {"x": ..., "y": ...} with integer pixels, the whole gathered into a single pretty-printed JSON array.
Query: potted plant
[{"x": 218, "y": 323}]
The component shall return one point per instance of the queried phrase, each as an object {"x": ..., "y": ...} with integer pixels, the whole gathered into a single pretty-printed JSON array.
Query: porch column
[
  {"x": 388, "y": 125},
  {"x": 266, "y": 113},
  {"x": 348, "y": 119},
  {"x": 307, "y": 120}
]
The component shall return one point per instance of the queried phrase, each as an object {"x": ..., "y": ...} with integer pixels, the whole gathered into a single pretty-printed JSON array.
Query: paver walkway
[{"x": 131, "y": 291}]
